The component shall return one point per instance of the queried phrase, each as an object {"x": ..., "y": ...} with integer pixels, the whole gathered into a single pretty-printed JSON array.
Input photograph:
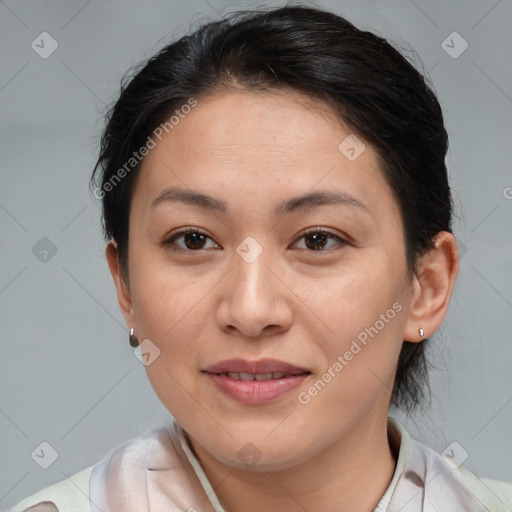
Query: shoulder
[
  {"x": 502, "y": 489},
  {"x": 69, "y": 495},
  {"x": 495, "y": 494},
  {"x": 76, "y": 493}
]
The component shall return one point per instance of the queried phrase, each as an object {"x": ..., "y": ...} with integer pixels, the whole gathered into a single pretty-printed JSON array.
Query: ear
[
  {"x": 122, "y": 288},
  {"x": 432, "y": 287}
]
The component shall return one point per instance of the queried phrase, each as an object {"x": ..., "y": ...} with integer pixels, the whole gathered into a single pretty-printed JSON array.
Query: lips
[
  {"x": 254, "y": 376},
  {"x": 256, "y": 382},
  {"x": 264, "y": 369}
]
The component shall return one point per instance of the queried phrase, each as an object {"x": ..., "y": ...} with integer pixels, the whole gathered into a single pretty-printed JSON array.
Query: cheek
[
  {"x": 171, "y": 312},
  {"x": 360, "y": 358},
  {"x": 350, "y": 298},
  {"x": 363, "y": 314},
  {"x": 173, "y": 321},
  {"x": 166, "y": 297}
]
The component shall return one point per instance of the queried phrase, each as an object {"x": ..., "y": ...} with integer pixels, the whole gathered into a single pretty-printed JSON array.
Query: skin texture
[{"x": 292, "y": 303}]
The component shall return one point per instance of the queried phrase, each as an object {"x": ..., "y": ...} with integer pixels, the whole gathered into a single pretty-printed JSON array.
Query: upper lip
[{"x": 261, "y": 366}]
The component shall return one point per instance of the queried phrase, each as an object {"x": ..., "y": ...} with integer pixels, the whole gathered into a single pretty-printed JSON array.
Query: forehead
[
  {"x": 260, "y": 146},
  {"x": 280, "y": 122}
]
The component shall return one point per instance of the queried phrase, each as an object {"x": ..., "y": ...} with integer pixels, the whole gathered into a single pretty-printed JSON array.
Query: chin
[{"x": 259, "y": 456}]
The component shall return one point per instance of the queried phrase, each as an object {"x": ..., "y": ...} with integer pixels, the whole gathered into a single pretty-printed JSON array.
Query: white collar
[{"x": 158, "y": 472}]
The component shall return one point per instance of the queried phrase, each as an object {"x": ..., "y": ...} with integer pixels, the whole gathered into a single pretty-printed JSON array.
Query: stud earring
[
  {"x": 422, "y": 332},
  {"x": 134, "y": 342}
]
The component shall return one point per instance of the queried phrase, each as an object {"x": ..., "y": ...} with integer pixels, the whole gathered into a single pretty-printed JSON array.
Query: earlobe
[
  {"x": 432, "y": 288},
  {"x": 122, "y": 289}
]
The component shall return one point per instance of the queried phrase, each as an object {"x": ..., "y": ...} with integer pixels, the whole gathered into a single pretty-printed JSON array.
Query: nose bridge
[
  {"x": 252, "y": 301},
  {"x": 251, "y": 268}
]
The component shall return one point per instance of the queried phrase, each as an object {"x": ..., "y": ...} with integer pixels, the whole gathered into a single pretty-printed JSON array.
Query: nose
[{"x": 255, "y": 299}]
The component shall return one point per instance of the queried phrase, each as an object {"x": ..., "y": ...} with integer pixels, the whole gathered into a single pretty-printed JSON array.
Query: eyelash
[{"x": 169, "y": 242}]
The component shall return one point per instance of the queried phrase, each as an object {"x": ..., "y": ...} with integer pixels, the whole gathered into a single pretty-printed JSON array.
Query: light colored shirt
[{"x": 158, "y": 472}]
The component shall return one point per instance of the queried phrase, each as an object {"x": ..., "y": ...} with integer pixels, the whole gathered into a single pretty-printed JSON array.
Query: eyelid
[
  {"x": 168, "y": 239},
  {"x": 319, "y": 229}
]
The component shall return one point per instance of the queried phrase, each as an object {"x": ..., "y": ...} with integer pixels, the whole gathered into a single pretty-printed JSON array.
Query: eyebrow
[{"x": 304, "y": 202}]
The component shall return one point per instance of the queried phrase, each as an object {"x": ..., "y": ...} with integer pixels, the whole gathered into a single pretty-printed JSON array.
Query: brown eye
[
  {"x": 317, "y": 238},
  {"x": 193, "y": 240}
]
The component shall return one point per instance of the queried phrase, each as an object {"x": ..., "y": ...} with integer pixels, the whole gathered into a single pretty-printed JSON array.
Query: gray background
[{"x": 68, "y": 374}]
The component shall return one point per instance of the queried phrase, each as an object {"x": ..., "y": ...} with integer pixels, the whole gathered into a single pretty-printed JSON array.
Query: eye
[
  {"x": 193, "y": 239},
  {"x": 316, "y": 239}
]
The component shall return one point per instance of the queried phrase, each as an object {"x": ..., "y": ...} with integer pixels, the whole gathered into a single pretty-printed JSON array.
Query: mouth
[
  {"x": 258, "y": 376},
  {"x": 255, "y": 382},
  {"x": 262, "y": 367}
]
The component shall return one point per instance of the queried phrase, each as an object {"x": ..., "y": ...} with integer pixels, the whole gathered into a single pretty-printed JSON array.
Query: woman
[{"x": 278, "y": 216}]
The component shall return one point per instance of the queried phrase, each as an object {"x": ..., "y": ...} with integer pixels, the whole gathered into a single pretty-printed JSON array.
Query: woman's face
[{"x": 256, "y": 287}]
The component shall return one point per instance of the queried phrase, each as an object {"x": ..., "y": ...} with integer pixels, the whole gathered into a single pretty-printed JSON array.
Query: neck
[{"x": 351, "y": 474}]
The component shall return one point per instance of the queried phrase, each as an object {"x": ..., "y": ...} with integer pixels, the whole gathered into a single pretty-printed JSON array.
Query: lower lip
[{"x": 255, "y": 392}]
